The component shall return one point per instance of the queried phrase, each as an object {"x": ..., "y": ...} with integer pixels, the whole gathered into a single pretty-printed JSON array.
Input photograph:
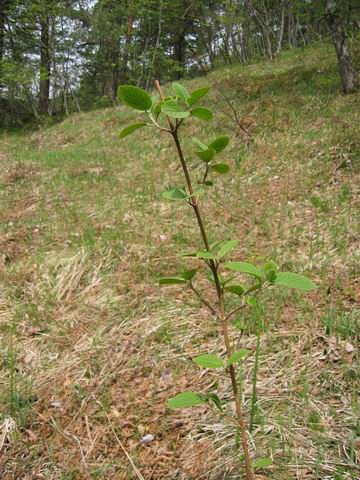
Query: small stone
[{"x": 147, "y": 439}]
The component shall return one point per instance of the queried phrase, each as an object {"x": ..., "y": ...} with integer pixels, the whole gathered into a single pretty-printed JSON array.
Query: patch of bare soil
[{"x": 12, "y": 175}]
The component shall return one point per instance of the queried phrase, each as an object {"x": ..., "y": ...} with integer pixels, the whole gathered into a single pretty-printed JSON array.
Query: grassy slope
[{"x": 94, "y": 347}]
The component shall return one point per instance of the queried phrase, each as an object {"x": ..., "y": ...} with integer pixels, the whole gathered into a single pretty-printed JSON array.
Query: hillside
[{"x": 92, "y": 347}]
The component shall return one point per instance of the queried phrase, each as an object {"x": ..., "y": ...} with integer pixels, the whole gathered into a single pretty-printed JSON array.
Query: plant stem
[
  {"x": 260, "y": 326},
  {"x": 12, "y": 360},
  {"x": 254, "y": 382},
  {"x": 220, "y": 294}
]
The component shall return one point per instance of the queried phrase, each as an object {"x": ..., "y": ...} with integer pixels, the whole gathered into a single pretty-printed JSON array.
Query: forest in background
[{"x": 61, "y": 56}]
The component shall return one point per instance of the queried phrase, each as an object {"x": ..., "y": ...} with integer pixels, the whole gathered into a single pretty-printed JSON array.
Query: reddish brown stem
[{"x": 220, "y": 294}]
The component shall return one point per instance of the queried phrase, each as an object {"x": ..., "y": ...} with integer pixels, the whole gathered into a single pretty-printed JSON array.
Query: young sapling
[{"x": 169, "y": 115}]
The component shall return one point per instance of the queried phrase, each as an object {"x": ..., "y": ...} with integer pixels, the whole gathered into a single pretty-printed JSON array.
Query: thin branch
[
  {"x": 205, "y": 302},
  {"x": 229, "y": 315}
]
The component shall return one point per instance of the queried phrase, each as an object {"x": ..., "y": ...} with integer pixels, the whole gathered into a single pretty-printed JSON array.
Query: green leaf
[
  {"x": 130, "y": 129},
  {"x": 236, "y": 289},
  {"x": 208, "y": 183},
  {"x": 197, "y": 95},
  {"x": 202, "y": 113},
  {"x": 171, "y": 281},
  {"x": 175, "y": 194},
  {"x": 200, "y": 144},
  {"x": 205, "y": 255},
  {"x": 185, "y": 400},
  {"x": 212, "y": 397},
  {"x": 206, "y": 155},
  {"x": 253, "y": 302},
  {"x": 157, "y": 108},
  {"x": 270, "y": 268},
  {"x": 135, "y": 97},
  {"x": 262, "y": 463},
  {"x": 172, "y": 109},
  {"x": 293, "y": 280},
  {"x": 220, "y": 168},
  {"x": 181, "y": 92},
  {"x": 189, "y": 274},
  {"x": 188, "y": 254},
  {"x": 244, "y": 267},
  {"x": 209, "y": 361},
  {"x": 227, "y": 247},
  {"x": 238, "y": 355},
  {"x": 219, "y": 143},
  {"x": 270, "y": 265}
]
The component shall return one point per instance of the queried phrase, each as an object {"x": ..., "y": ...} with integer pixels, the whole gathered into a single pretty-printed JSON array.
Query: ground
[{"x": 92, "y": 347}]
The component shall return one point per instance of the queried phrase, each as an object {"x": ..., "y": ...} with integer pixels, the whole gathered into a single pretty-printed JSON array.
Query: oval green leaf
[
  {"x": 185, "y": 400},
  {"x": 209, "y": 361},
  {"x": 220, "y": 168},
  {"x": 197, "y": 95},
  {"x": 172, "y": 109},
  {"x": 245, "y": 267},
  {"x": 189, "y": 274},
  {"x": 174, "y": 194},
  {"x": 130, "y": 129},
  {"x": 227, "y": 247},
  {"x": 220, "y": 143},
  {"x": 293, "y": 280},
  {"x": 205, "y": 255},
  {"x": 236, "y": 289},
  {"x": 206, "y": 155},
  {"x": 181, "y": 92},
  {"x": 199, "y": 144},
  {"x": 202, "y": 113},
  {"x": 237, "y": 356},
  {"x": 135, "y": 97}
]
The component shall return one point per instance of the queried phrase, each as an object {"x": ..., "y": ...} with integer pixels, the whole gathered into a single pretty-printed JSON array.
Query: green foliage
[
  {"x": 237, "y": 356},
  {"x": 130, "y": 129},
  {"x": 196, "y": 95},
  {"x": 219, "y": 143},
  {"x": 236, "y": 289},
  {"x": 293, "y": 280},
  {"x": 181, "y": 92},
  {"x": 220, "y": 168},
  {"x": 172, "y": 109},
  {"x": 206, "y": 255},
  {"x": 202, "y": 113},
  {"x": 175, "y": 194},
  {"x": 227, "y": 247},
  {"x": 135, "y": 97},
  {"x": 189, "y": 274},
  {"x": 209, "y": 361},
  {"x": 172, "y": 280},
  {"x": 185, "y": 400},
  {"x": 244, "y": 267},
  {"x": 214, "y": 254},
  {"x": 206, "y": 155}
]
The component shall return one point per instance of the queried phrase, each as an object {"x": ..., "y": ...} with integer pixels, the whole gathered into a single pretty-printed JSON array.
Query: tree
[{"x": 335, "y": 23}]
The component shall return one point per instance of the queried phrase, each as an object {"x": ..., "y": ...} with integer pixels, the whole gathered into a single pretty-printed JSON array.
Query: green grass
[{"x": 84, "y": 235}]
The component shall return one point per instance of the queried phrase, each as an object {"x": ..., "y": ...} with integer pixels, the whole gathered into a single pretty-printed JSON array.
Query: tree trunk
[
  {"x": 179, "y": 55},
  {"x": 282, "y": 27},
  {"x": 2, "y": 33},
  {"x": 45, "y": 65},
  {"x": 348, "y": 73}
]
